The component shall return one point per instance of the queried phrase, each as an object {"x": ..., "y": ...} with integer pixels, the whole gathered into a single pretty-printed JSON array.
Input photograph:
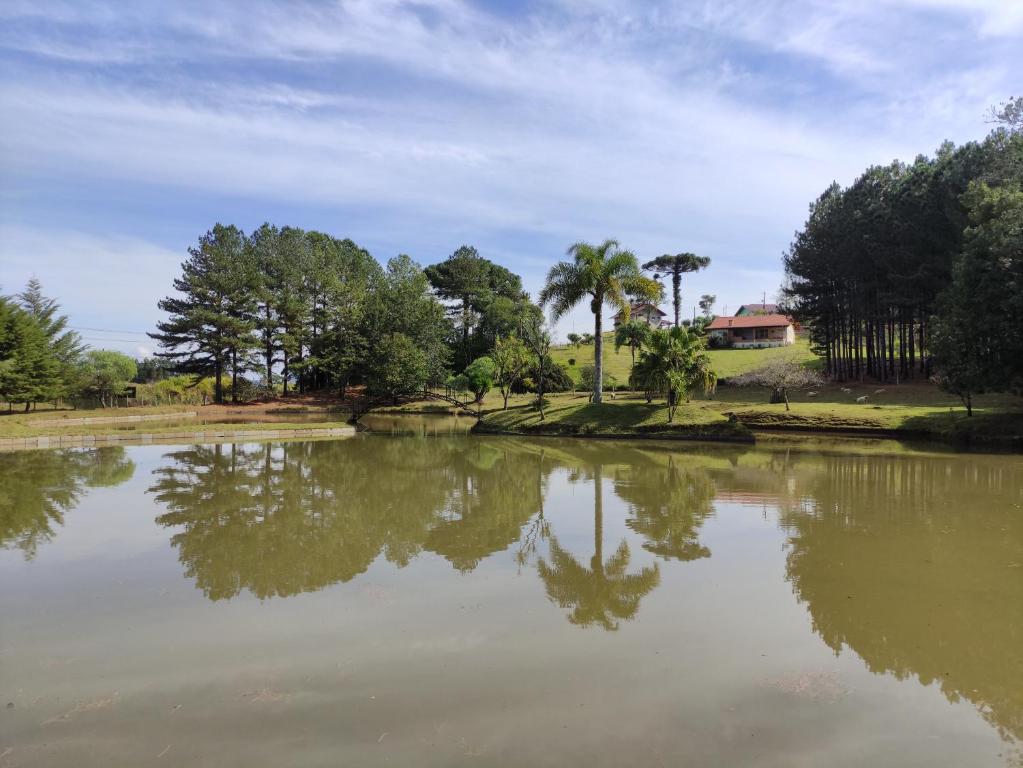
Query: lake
[{"x": 439, "y": 599}]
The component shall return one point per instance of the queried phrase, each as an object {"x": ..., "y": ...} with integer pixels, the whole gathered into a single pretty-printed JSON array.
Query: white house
[
  {"x": 754, "y": 330},
  {"x": 644, "y": 312}
]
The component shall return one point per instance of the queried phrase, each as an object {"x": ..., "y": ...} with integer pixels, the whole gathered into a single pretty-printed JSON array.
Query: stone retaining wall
[
  {"x": 187, "y": 436},
  {"x": 115, "y": 419}
]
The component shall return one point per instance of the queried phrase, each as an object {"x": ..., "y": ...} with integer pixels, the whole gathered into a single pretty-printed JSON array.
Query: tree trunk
[
  {"x": 598, "y": 521},
  {"x": 598, "y": 349},
  {"x": 676, "y": 292},
  {"x": 969, "y": 404},
  {"x": 465, "y": 330},
  {"x": 504, "y": 394},
  {"x": 218, "y": 387},
  {"x": 269, "y": 351},
  {"x": 234, "y": 376}
]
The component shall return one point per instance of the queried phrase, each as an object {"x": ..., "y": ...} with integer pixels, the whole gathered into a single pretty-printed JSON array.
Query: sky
[{"x": 129, "y": 129}]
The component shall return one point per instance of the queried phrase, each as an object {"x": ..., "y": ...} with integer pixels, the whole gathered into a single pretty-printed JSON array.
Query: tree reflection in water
[
  {"x": 605, "y": 592},
  {"x": 279, "y": 519},
  {"x": 40, "y": 486},
  {"x": 916, "y": 564}
]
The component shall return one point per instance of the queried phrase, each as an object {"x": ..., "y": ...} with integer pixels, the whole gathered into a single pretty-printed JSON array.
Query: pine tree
[
  {"x": 211, "y": 322},
  {"x": 28, "y": 366},
  {"x": 65, "y": 346}
]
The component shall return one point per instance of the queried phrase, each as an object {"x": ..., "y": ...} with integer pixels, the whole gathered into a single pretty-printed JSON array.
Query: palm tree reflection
[{"x": 604, "y": 593}]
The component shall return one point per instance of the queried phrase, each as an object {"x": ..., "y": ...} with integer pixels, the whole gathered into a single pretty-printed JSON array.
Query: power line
[
  {"x": 106, "y": 330},
  {"x": 107, "y": 338}
]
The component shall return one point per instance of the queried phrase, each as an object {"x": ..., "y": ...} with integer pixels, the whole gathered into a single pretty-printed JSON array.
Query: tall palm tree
[
  {"x": 605, "y": 274},
  {"x": 676, "y": 266},
  {"x": 603, "y": 593},
  {"x": 674, "y": 362}
]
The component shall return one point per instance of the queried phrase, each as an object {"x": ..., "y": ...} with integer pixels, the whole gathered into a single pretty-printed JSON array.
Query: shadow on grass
[
  {"x": 1001, "y": 428},
  {"x": 616, "y": 419}
]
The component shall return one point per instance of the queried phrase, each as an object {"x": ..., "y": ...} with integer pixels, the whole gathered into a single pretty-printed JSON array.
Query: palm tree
[
  {"x": 675, "y": 266},
  {"x": 673, "y": 362},
  {"x": 633, "y": 335},
  {"x": 607, "y": 275},
  {"x": 603, "y": 593}
]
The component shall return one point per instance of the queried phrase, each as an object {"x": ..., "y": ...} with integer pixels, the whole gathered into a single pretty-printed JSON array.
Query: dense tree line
[
  {"x": 915, "y": 266},
  {"x": 315, "y": 312}
]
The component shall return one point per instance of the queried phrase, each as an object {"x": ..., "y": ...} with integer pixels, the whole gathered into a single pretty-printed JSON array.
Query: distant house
[
  {"x": 647, "y": 313},
  {"x": 757, "y": 309},
  {"x": 746, "y": 331}
]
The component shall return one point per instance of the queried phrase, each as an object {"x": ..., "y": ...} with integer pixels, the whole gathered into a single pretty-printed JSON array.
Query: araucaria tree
[
  {"x": 211, "y": 320},
  {"x": 674, "y": 363},
  {"x": 782, "y": 375},
  {"x": 603, "y": 274},
  {"x": 676, "y": 266}
]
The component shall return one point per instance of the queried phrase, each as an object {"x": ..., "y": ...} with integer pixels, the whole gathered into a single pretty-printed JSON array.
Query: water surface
[{"x": 456, "y": 600}]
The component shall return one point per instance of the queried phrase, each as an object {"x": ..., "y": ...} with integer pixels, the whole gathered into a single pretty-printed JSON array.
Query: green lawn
[
  {"x": 916, "y": 410},
  {"x": 631, "y": 416},
  {"x": 726, "y": 362}
]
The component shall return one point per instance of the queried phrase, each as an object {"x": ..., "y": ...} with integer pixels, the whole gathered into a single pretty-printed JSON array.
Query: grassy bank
[
  {"x": 632, "y": 417},
  {"x": 918, "y": 411},
  {"x": 907, "y": 411}
]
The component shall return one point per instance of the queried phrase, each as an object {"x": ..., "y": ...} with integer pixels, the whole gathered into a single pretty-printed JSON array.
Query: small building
[
  {"x": 754, "y": 331},
  {"x": 645, "y": 312},
  {"x": 757, "y": 309}
]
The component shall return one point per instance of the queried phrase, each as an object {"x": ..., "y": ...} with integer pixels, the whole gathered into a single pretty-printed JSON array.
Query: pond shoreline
[{"x": 176, "y": 436}]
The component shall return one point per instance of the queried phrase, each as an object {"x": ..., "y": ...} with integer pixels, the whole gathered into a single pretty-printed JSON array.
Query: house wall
[
  {"x": 649, "y": 316},
  {"x": 747, "y": 338}
]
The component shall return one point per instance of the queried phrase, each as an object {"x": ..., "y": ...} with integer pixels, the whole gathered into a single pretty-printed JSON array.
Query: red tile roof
[{"x": 750, "y": 321}]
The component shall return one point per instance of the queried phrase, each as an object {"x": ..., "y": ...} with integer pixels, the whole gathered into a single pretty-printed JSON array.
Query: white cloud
[
  {"x": 107, "y": 285},
  {"x": 668, "y": 126}
]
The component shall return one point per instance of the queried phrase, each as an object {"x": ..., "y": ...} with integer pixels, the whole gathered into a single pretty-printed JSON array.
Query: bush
[
  {"x": 587, "y": 374},
  {"x": 571, "y": 361},
  {"x": 558, "y": 380}
]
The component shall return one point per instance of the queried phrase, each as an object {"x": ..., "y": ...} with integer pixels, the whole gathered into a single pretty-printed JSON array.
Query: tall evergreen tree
[
  {"x": 28, "y": 365},
  {"x": 211, "y": 320},
  {"x": 677, "y": 265},
  {"x": 64, "y": 345},
  {"x": 487, "y": 301}
]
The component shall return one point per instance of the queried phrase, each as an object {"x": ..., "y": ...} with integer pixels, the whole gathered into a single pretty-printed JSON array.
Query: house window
[{"x": 761, "y": 334}]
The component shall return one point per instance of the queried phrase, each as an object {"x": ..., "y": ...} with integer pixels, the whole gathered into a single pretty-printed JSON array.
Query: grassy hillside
[{"x": 726, "y": 362}]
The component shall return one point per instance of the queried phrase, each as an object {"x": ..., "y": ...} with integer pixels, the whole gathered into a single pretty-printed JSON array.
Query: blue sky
[{"x": 519, "y": 127}]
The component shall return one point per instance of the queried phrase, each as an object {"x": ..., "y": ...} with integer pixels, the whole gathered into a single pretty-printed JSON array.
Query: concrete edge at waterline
[{"x": 181, "y": 436}]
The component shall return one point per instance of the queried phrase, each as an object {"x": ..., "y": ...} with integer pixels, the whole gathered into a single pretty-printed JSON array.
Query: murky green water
[{"x": 450, "y": 600}]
